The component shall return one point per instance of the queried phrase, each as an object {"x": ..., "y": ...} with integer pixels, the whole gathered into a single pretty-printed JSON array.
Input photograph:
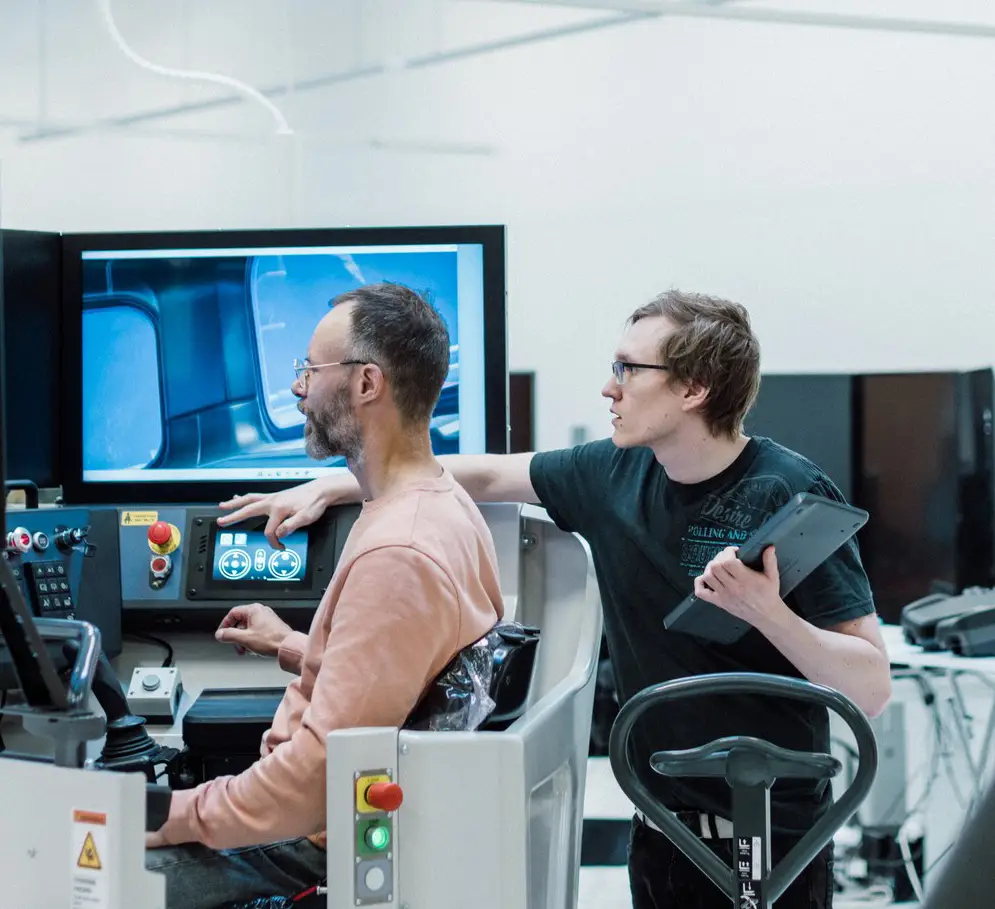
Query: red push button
[
  {"x": 159, "y": 533},
  {"x": 385, "y": 796},
  {"x": 160, "y": 566},
  {"x": 19, "y": 540}
]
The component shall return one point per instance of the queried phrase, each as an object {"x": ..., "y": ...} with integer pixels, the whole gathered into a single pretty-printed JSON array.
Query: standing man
[{"x": 661, "y": 504}]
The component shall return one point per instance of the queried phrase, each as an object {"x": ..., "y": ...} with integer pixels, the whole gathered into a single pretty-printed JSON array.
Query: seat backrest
[{"x": 484, "y": 687}]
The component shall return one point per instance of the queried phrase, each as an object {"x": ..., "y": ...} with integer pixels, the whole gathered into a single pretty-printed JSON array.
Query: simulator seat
[
  {"x": 492, "y": 817},
  {"x": 483, "y": 688}
]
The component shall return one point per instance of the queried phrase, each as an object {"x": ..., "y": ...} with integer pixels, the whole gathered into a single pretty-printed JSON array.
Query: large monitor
[
  {"x": 178, "y": 351},
  {"x": 30, "y": 340}
]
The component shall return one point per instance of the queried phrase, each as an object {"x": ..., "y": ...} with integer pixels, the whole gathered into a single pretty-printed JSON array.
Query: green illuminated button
[{"x": 378, "y": 838}]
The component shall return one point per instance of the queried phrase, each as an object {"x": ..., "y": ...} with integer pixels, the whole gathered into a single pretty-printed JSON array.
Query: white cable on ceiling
[{"x": 282, "y": 127}]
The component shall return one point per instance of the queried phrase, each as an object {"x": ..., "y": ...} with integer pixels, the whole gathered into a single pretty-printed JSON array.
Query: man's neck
[
  {"x": 389, "y": 464},
  {"x": 698, "y": 457}
]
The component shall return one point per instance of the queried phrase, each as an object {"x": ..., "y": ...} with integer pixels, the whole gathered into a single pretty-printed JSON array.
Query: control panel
[
  {"x": 171, "y": 567},
  {"x": 377, "y": 799},
  {"x": 65, "y": 561},
  {"x": 181, "y": 569}
]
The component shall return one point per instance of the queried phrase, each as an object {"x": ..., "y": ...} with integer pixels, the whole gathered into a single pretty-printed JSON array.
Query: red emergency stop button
[
  {"x": 159, "y": 533},
  {"x": 385, "y": 796}
]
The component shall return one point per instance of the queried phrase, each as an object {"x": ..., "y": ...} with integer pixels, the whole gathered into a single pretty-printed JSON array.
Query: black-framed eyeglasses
[
  {"x": 303, "y": 368},
  {"x": 621, "y": 369}
]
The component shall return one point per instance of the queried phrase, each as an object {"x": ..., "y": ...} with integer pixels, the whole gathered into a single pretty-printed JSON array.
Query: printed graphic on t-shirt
[{"x": 724, "y": 519}]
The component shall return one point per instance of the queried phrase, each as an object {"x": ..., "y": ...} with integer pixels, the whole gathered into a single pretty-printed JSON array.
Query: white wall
[{"x": 839, "y": 183}]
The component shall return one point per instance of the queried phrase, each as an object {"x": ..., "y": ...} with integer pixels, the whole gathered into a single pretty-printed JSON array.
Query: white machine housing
[{"x": 489, "y": 819}]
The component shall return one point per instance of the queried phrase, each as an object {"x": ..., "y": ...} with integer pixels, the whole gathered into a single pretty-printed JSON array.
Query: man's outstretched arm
[{"x": 487, "y": 478}]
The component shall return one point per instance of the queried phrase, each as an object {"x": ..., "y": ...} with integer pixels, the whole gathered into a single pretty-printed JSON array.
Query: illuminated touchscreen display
[{"x": 246, "y": 556}]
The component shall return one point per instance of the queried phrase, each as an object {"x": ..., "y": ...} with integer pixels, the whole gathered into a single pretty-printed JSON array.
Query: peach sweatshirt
[{"x": 417, "y": 582}]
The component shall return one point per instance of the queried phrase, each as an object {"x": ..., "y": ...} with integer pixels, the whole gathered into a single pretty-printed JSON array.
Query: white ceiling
[{"x": 62, "y": 74}]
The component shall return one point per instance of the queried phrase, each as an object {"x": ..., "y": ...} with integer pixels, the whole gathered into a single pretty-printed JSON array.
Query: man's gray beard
[{"x": 333, "y": 435}]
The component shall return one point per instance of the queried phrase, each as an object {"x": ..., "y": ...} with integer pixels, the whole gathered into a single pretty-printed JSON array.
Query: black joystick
[{"x": 128, "y": 746}]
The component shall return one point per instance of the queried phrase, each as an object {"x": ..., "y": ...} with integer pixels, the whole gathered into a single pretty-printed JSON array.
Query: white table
[
  {"x": 923, "y": 666},
  {"x": 903, "y": 654}
]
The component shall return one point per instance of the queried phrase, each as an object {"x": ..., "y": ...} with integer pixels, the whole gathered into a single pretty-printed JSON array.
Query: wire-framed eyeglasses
[
  {"x": 621, "y": 369},
  {"x": 304, "y": 368}
]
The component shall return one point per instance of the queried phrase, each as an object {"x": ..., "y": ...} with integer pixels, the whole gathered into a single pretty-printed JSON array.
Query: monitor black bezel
[{"x": 77, "y": 491}]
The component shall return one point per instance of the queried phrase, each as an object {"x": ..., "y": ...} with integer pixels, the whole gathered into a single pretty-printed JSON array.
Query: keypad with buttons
[{"x": 50, "y": 583}]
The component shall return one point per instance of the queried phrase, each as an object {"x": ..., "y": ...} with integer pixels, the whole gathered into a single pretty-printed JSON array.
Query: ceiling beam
[
  {"x": 739, "y": 13},
  {"x": 48, "y": 132}
]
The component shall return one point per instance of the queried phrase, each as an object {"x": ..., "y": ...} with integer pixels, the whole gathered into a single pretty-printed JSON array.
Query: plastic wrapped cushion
[{"x": 460, "y": 699}]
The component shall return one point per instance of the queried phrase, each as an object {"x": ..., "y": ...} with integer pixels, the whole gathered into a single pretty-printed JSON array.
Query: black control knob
[{"x": 70, "y": 537}]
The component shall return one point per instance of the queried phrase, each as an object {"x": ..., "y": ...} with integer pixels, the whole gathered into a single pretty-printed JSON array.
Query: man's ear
[
  {"x": 372, "y": 383},
  {"x": 694, "y": 397}
]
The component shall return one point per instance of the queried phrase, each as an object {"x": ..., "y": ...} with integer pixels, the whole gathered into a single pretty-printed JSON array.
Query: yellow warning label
[
  {"x": 138, "y": 518},
  {"x": 88, "y": 857}
]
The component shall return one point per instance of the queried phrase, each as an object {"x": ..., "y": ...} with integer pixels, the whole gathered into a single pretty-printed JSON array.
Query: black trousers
[{"x": 662, "y": 877}]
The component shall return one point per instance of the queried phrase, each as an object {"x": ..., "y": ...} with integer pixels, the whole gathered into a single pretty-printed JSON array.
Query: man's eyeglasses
[
  {"x": 303, "y": 368},
  {"x": 621, "y": 369}
]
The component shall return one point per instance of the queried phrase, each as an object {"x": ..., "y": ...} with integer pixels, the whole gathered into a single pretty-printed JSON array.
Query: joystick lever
[{"x": 128, "y": 746}]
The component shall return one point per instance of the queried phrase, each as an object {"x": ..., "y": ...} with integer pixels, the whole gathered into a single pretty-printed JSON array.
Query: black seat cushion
[{"x": 484, "y": 687}]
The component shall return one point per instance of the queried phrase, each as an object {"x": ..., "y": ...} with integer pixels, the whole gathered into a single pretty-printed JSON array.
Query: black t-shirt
[{"x": 650, "y": 538}]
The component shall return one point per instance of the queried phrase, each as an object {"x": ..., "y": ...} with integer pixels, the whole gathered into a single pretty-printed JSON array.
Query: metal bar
[
  {"x": 688, "y": 10},
  {"x": 751, "y": 843},
  {"x": 989, "y": 733},
  {"x": 332, "y": 79},
  {"x": 962, "y": 723}
]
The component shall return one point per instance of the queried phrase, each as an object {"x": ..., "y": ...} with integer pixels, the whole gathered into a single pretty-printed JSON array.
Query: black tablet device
[{"x": 806, "y": 531}]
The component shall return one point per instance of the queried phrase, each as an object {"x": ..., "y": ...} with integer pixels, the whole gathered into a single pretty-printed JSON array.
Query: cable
[
  {"x": 3, "y": 703},
  {"x": 910, "y": 868},
  {"x": 937, "y": 860},
  {"x": 282, "y": 127},
  {"x": 159, "y": 642}
]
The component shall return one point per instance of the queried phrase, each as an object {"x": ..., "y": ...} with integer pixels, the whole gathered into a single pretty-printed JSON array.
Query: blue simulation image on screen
[
  {"x": 188, "y": 354},
  {"x": 248, "y": 556}
]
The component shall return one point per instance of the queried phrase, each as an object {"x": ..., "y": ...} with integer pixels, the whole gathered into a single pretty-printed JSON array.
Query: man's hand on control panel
[
  {"x": 290, "y": 509},
  {"x": 255, "y": 628}
]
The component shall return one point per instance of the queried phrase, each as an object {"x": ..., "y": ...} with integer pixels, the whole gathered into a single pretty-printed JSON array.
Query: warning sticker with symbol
[
  {"x": 90, "y": 889},
  {"x": 88, "y": 856},
  {"x": 139, "y": 518}
]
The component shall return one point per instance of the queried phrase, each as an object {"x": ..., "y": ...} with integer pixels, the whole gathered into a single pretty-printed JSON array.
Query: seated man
[{"x": 417, "y": 582}]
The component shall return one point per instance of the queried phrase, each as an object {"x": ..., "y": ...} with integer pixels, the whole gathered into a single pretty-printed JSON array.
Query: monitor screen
[{"x": 184, "y": 346}]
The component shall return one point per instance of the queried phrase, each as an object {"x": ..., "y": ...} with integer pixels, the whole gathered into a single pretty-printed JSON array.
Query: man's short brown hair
[
  {"x": 712, "y": 346},
  {"x": 405, "y": 335}
]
